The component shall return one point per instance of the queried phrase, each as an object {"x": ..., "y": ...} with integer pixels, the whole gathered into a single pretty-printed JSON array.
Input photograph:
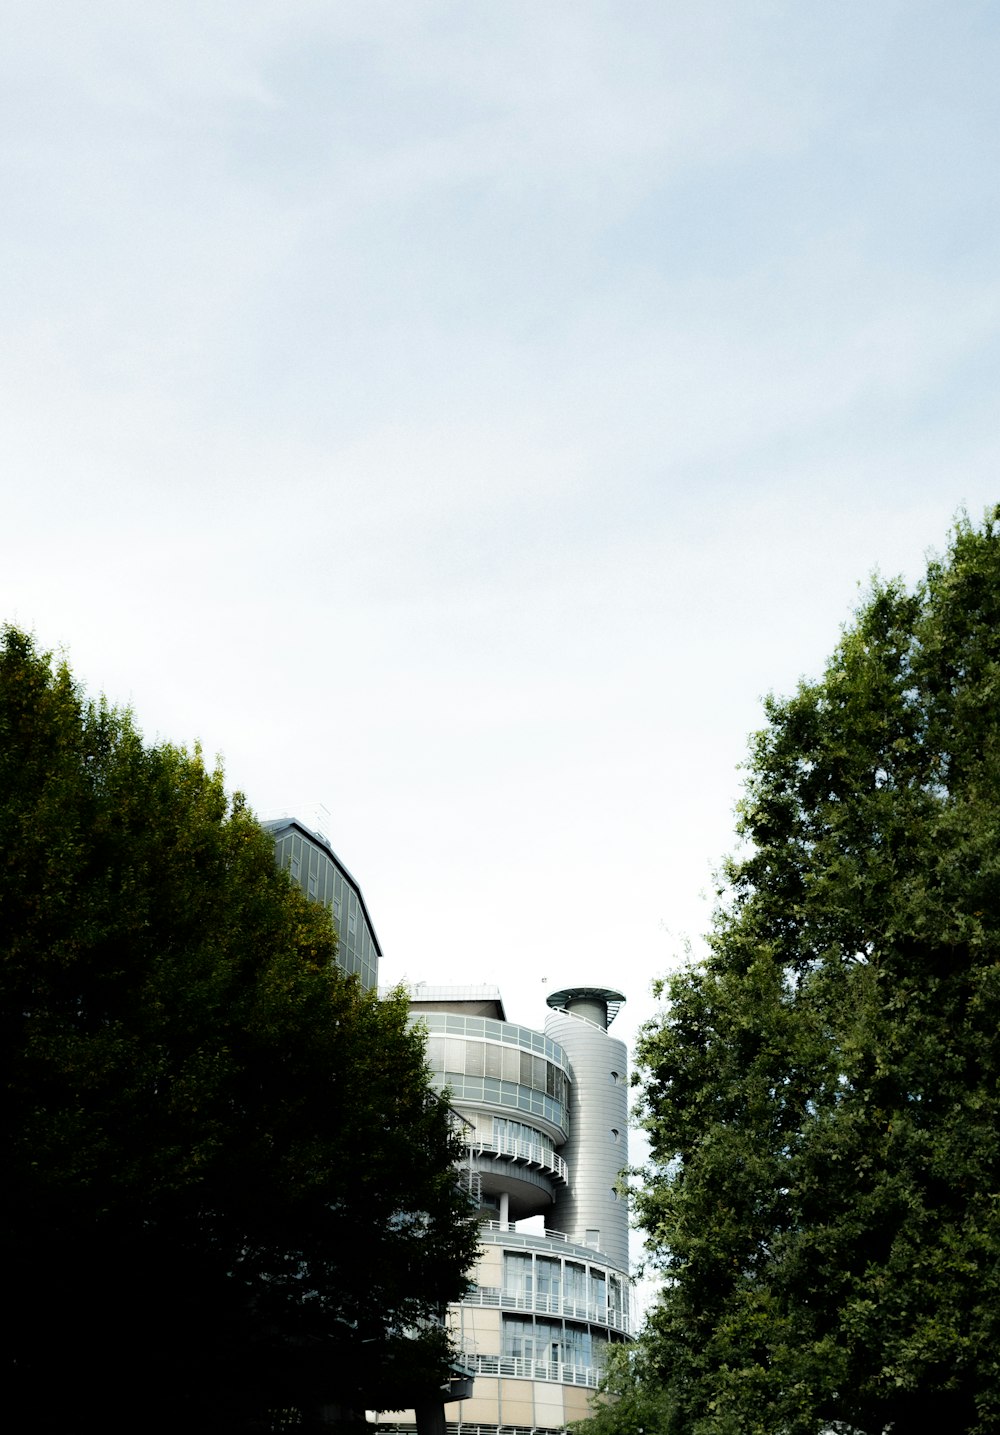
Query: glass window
[
  {"x": 518, "y": 1338},
  {"x": 549, "y": 1342},
  {"x": 549, "y": 1275},
  {"x": 517, "y": 1275},
  {"x": 578, "y": 1346},
  {"x": 575, "y": 1287}
]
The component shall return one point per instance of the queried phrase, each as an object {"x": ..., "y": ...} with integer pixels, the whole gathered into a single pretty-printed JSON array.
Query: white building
[{"x": 547, "y": 1138}]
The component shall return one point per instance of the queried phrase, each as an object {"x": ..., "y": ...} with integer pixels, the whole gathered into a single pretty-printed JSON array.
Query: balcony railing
[
  {"x": 541, "y": 1304},
  {"x": 531, "y": 1152},
  {"x": 510, "y": 1229},
  {"x": 536, "y": 1369}
]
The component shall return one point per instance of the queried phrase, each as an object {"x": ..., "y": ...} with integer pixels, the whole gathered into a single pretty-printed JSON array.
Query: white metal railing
[
  {"x": 550, "y": 1235},
  {"x": 453, "y": 1428},
  {"x": 542, "y": 1304},
  {"x": 531, "y": 1151},
  {"x": 424, "y": 992},
  {"x": 512, "y": 1230},
  {"x": 524, "y": 1369}
]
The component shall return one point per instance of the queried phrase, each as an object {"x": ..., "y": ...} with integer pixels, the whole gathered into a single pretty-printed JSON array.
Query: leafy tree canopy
[
  {"x": 631, "y": 1398},
  {"x": 228, "y": 1187},
  {"x": 822, "y": 1094}
]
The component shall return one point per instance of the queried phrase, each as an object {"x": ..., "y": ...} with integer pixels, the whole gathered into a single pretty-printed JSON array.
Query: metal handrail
[
  {"x": 530, "y": 1151},
  {"x": 556, "y": 1370},
  {"x": 511, "y": 1229},
  {"x": 551, "y": 1235},
  {"x": 542, "y": 1304}
]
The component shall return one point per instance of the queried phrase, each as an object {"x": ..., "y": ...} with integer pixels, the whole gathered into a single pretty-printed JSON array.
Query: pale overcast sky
[{"x": 458, "y": 416}]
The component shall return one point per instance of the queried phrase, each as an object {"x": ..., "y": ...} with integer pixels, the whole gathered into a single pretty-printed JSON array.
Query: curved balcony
[
  {"x": 539, "y": 1304},
  {"x": 523, "y": 1369},
  {"x": 530, "y": 1153}
]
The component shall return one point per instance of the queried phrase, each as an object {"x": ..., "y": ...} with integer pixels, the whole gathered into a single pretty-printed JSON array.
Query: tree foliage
[
  {"x": 631, "y": 1396},
  {"x": 228, "y": 1187},
  {"x": 822, "y": 1093}
]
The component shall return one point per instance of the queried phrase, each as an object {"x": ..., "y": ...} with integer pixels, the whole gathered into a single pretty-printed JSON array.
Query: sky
[{"x": 459, "y": 416}]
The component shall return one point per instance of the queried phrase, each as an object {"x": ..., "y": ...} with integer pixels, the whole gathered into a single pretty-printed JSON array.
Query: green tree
[
  {"x": 228, "y": 1187},
  {"x": 822, "y": 1093},
  {"x": 631, "y": 1398}
]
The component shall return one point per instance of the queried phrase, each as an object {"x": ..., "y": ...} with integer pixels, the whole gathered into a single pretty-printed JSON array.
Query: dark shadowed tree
[
  {"x": 822, "y": 1093},
  {"x": 228, "y": 1187}
]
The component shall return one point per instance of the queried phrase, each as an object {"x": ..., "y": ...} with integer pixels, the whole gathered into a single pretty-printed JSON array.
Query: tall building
[
  {"x": 316, "y": 868},
  {"x": 545, "y": 1118}
]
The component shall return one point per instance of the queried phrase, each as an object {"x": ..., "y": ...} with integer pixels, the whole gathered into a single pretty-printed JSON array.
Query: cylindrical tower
[{"x": 591, "y": 1210}]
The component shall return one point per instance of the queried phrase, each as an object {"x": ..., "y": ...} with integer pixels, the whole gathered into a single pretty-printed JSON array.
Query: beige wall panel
[
  {"x": 489, "y": 1268},
  {"x": 481, "y": 1409},
  {"x": 477, "y": 1330},
  {"x": 516, "y": 1403},
  {"x": 549, "y": 1410},
  {"x": 577, "y": 1399}
]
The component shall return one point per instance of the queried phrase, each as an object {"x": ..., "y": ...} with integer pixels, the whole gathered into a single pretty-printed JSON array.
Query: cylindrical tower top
[{"x": 597, "y": 1004}]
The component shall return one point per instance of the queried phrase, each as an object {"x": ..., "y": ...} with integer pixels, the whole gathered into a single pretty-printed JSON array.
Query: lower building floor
[{"x": 532, "y": 1332}]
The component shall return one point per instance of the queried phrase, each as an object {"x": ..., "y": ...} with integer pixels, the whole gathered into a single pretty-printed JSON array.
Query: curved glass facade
[
  {"x": 565, "y": 1286},
  {"x": 506, "y": 1032},
  {"x": 313, "y": 867},
  {"x": 492, "y": 1092},
  {"x": 498, "y": 1064}
]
